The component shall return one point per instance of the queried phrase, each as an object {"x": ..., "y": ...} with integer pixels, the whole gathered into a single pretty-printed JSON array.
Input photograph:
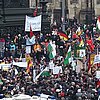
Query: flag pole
[
  {"x": 97, "y": 54},
  {"x": 34, "y": 73},
  {"x": 97, "y": 50}
]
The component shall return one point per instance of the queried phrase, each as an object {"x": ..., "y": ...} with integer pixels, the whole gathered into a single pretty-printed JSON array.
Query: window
[
  {"x": 98, "y": 2},
  {"x": 73, "y": 1}
]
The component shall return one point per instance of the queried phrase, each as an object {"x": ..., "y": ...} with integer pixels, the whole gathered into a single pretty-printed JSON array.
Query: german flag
[
  {"x": 81, "y": 42},
  {"x": 63, "y": 35},
  {"x": 30, "y": 64}
]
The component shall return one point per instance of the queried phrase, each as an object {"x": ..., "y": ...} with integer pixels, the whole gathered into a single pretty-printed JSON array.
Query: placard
[
  {"x": 28, "y": 49},
  {"x": 98, "y": 74},
  {"x": 34, "y": 22}
]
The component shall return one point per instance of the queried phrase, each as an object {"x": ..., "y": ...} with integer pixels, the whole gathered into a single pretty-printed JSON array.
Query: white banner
[
  {"x": 79, "y": 66},
  {"x": 5, "y": 66},
  {"x": 82, "y": 53},
  {"x": 51, "y": 64},
  {"x": 98, "y": 74},
  {"x": 57, "y": 70},
  {"x": 28, "y": 49},
  {"x": 97, "y": 59},
  {"x": 35, "y": 23},
  {"x": 20, "y": 64}
]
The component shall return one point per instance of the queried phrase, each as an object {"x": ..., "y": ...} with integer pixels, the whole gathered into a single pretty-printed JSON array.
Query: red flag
[
  {"x": 35, "y": 11},
  {"x": 74, "y": 36},
  {"x": 31, "y": 32},
  {"x": 90, "y": 45}
]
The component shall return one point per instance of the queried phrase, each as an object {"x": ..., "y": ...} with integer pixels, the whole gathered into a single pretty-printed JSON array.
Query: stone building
[
  {"x": 12, "y": 15},
  {"x": 81, "y": 9},
  {"x": 12, "y": 12}
]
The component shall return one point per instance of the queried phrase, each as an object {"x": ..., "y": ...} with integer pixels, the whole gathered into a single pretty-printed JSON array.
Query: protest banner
[
  {"x": 35, "y": 23},
  {"x": 20, "y": 64}
]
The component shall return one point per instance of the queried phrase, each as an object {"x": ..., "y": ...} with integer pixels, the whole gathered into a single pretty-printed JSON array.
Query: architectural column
[
  {"x": 63, "y": 15},
  {"x": 32, "y": 3}
]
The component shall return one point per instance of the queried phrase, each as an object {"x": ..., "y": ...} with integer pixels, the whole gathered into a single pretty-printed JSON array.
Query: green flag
[
  {"x": 79, "y": 52},
  {"x": 68, "y": 57},
  {"x": 51, "y": 50},
  {"x": 45, "y": 73},
  {"x": 1, "y": 82}
]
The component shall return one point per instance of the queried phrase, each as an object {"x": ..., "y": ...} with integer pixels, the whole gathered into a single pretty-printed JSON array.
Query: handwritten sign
[{"x": 35, "y": 23}]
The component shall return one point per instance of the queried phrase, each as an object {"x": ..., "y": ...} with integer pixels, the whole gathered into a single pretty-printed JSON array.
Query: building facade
[
  {"x": 81, "y": 9},
  {"x": 12, "y": 15},
  {"x": 12, "y": 12}
]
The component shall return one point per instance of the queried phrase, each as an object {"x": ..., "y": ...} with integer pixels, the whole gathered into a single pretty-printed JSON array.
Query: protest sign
[{"x": 34, "y": 22}]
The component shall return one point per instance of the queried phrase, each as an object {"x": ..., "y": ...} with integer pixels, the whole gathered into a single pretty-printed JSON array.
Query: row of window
[
  {"x": 71, "y": 1},
  {"x": 77, "y": 1}
]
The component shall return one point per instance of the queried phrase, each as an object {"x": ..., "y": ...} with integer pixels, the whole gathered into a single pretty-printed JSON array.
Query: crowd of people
[{"x": 67, "y": 85}]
